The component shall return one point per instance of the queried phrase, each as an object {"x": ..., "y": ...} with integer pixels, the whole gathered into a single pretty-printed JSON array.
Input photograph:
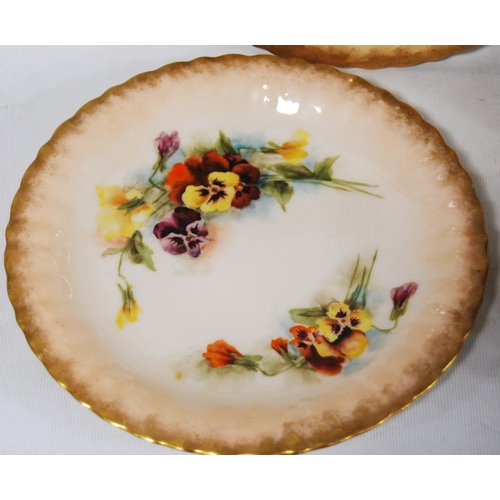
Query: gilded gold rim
[
  {"x": 29, "y": 326},
  {"x": 290, "y": 452}
]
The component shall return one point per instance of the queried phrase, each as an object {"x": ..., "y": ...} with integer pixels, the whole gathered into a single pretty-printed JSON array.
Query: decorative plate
[
  {"x": 367, "y": 56},
  {"x": 246, "y": 255}
]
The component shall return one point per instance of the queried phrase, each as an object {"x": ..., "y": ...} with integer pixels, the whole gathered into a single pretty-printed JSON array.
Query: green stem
[
  {"x": 151, "y": 177},
  {"x": 361, "y": 286},
  {"x": 150, "y": 180},
  {"x": 284, "y": 369},
  {"x": 246, "y": 149},
  {"x": 120, "y": 275},
  {"x": 339, "y": 184},
  {"x": 352, "y": 183},
  {"x": 120, "y": 266},
  {"x": 369, "y": 276},
  {"x": 335, "y": 183},
  {"x": 387, "y": 330},
  {"x": 158, "y": 187},
  {"x": 160, "y": 207},
  {"x": 160, "y": 197},
  {"x": 352, "y": 280}
]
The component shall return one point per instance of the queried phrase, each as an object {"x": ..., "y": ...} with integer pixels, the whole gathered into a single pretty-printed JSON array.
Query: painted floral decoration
[
  {"x": 115, "y": 223},
  {"x": 328, "y": 337},
  {"x": 291, "y": 150},
  {"x": 178, "y": 195},
  {"x": 182, "y": 231},
  {"x": 220, "y": 353},
  {"x": 173, "y": 206},
  {"x": 400, "y": 297},
  {"x": 168, "y": 144}
]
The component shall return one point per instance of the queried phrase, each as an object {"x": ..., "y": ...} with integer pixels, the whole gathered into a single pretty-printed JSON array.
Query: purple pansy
[
  {"x": 401, "y": 294},
  {"x": 182, "y": 230},
  {"x": 168, "y": 144}
]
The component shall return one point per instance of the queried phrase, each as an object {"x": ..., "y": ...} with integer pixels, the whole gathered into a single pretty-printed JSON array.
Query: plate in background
[{"x": 367, "y": 56}]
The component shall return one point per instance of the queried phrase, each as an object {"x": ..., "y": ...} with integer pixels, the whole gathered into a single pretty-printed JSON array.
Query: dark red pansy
[{"x": 246, "y": 191}]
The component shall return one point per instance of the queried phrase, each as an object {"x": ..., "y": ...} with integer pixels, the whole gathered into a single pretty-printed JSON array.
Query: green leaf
[
  {"x": 292, "y": 172},
  {"x": 323, "y": 170},
  {"x": 224, "y": 144},
  {"x": 113, "y": 251},
  {"x": 139, "y": 252},
  {"x": 132, "y": 205},
  {"x": 145, "y": 252},
  {"x": 134, "y": 253},
  {"x": 252, "y": 357},
  {"x": 307, "y": 316},
  {"x": 273, "y": 145},
  {"x": 248, "y": 363},
  {"x": 280, "y": 190},
  {"x": 267, "y": 150},
  {"x": 290, "y": 357}
]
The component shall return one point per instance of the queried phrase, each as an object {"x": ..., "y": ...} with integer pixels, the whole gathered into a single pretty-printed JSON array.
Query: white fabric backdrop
[{"x": 40, "y": 87}]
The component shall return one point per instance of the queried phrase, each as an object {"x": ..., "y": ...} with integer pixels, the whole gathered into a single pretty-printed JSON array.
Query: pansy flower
[
  {"x": 115, "y": 223},
  {"x": 352, "y": 343},
  {"x": 216, "y": 195},
  {"x": 181, "y": 231},
  {"x": 319, "y": 353},
  {"x": 220, "y": 354},
  {"x": 246, "y": 190},
  {"x": 193, "y": 172},
  {"x": 213, "y": 182},
  {"x": 341, "y": 320},
  {"x": 292, "y": 150}
]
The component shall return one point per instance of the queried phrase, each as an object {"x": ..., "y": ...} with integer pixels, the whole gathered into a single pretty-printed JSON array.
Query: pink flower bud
[
  {"x": 168, "y": 144},
  {"x": 401, "y": 294}
]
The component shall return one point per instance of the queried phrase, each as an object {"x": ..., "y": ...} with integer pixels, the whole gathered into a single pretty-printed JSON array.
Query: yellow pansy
[
  {"x": 330, "y": 328},
  {"x": 339, "y": 310},
  {"x": 342, "y": 320},
  {"x": 217, "y": 196},
  {"x": 114, "y": 223},
  {"x": 291, "y": 150},
  {"x": 359, "y": 319},
  {"x": 128, "y": 313}
]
